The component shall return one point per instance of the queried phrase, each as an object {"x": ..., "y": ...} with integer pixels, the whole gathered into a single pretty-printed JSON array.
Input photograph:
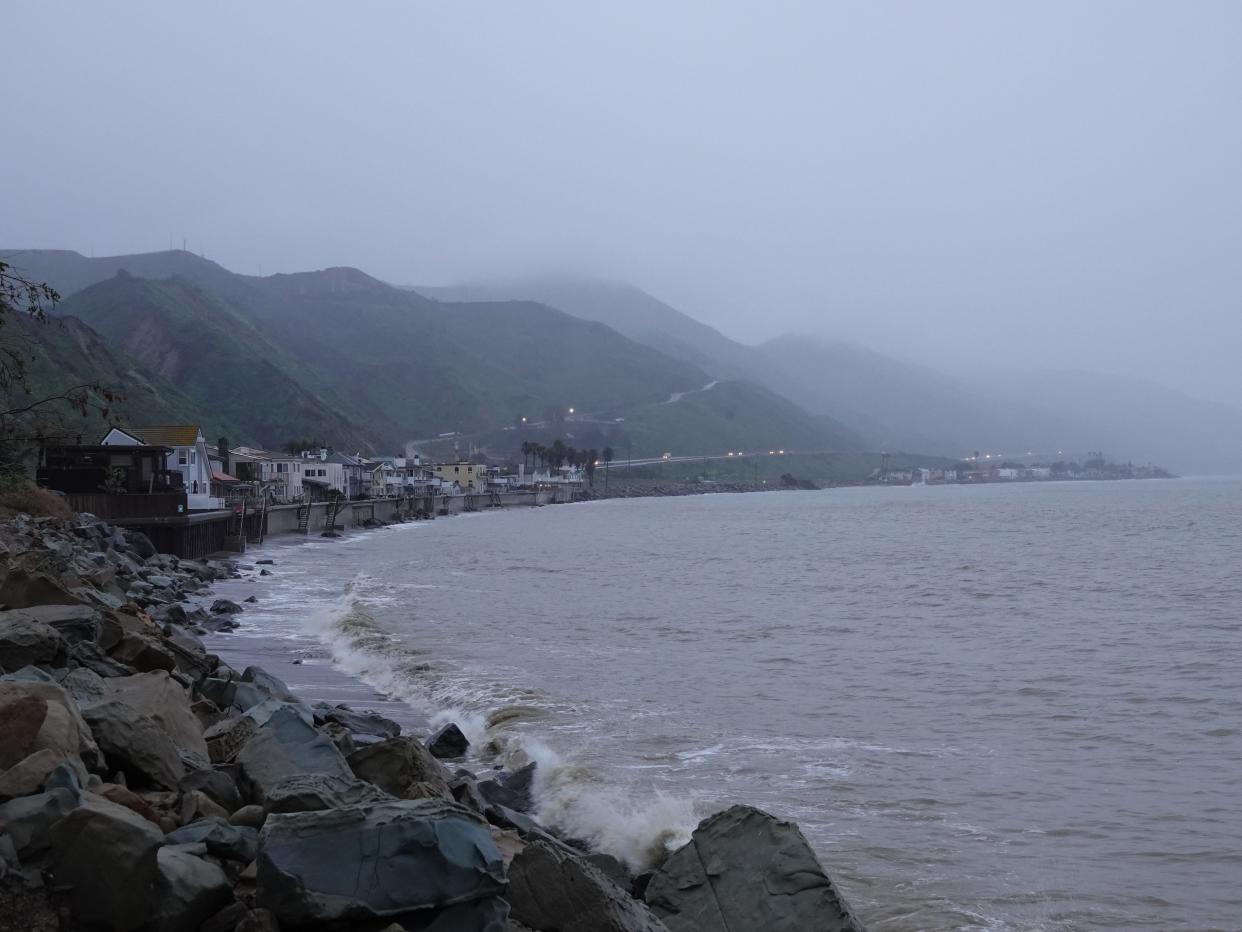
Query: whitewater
[{"x": 1001, "y": 707}]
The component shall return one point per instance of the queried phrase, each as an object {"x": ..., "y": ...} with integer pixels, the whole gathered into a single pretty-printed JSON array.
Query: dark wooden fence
[{"x": 122, "y": 507}]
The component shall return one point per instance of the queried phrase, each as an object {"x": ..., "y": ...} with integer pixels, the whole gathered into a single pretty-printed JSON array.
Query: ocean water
[{"x": 996, "y": 707}]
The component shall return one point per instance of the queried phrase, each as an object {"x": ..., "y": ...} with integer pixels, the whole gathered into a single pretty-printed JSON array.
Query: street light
[{"x": 571, "y": 410}]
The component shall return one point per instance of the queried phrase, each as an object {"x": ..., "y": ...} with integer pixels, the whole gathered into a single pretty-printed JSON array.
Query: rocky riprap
[{"x": 146, "y": 786}]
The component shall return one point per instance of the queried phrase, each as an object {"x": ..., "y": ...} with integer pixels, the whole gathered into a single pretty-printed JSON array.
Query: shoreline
[{"x": 185, "y": 792}]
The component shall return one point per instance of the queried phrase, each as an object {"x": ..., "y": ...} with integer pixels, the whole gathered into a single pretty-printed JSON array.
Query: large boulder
[
  {"x": 744, "y": 870},
  {"x": 63, "y": 730},
  {"x": 134, "y": 744},
  {"x": 165, "y": 702},
  {"x": 104, "y": 858},
  {"x": 401, "y": 766},
  {"x": 226, "y": 738},
  {"x": 312, "y": 792},
  {"x": 32, "y": 579},
  {"x": 551, "y": 889},
  {"x": 29, "y": 819},
  {"x": 358, "y": 723},
  {"x": 514, "y": 790},
  {"x": 74, "y": 623},
  {"x": 28, "y": 775},
  {"x": 286, "y": 746},
  {"x": 448, "y": 743},
  {"x": 273, "y": 686},
  {"x": 20, "y": 721},
  {"x": 223, "y": 840},
  {"x": 374, "y": 861},
  {"x": 144, "y": 652},
  {"x": 25, "y": 640},
  {"x": 188, "y": 891}
]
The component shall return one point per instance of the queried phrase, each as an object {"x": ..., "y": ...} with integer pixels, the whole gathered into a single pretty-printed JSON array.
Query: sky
[{"x": 979, "y": 186}]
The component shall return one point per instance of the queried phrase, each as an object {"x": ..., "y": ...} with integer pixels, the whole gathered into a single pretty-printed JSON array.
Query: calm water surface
[{"x": 999, "y": 707}]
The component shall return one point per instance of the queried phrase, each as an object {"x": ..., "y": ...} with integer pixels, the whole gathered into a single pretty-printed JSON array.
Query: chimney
[{"x": 222, "y": 448}]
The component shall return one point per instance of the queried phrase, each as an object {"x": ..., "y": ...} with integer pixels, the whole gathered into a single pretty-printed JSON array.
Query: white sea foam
[{"x": 574, "y": 799}]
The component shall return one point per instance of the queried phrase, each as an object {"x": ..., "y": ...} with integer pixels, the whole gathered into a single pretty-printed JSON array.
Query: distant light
[
  {"x": 987, "y": 456},
  {"x": 730, "y": 452},
  {"x": 781, "y": 452},
  {"x": 771, "y": 453},
  {"x": 523, "y": 420},
  {"x": 571, "y": 410}
]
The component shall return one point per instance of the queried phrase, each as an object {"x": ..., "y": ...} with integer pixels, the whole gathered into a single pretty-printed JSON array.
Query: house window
[
  {"x": 193, "y": 457},
  {"x": 181, "y": 458}
]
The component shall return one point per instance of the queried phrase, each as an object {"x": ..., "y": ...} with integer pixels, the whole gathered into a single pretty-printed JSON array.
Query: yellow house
[{"x": 471, "y": 477}]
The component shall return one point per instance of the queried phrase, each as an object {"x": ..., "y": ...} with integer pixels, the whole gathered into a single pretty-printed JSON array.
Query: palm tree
[
  {"x": 556, "y": 454},
  {"x": 607, "y": 457},
  {"x": 592, "y": 457},
  {"x": 527, "y": 449}
]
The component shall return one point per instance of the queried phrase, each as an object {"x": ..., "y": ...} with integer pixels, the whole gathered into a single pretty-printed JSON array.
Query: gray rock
[
  {"x": 219, "y": 690},
  {"x": 612, "y": 868},
  {"x": 163, "y": 700},
  {"x": 226, "y": 739},
  {"x": 286, "y": 746},
  {"x": 448, "y": 743},
  {"x": 21, "y": 719},
  {"x": 273, "y": 686},
  {"x": 512, "y": 790},
  {"x": 313, "y": 792},
  {"x": 28, "y": 775},
  {"x": 225, "y": 607},
  {"x": 88, "y": 655},
  {"x": 144, "y": 653},
  {"x": 29, "y": 674},
  {"x": 63, "y": 729},
  {"x": 490, "y": 915},
  {"x": 72, "y": 622},
  {"x": 26, "y": 641},
  {"x": 374, "y": 861},
  {"x": 249, "y": 816},
  {"x": 188, "y": 890},
  {"x": 134, "y": 744},
  {"x": 223, "y": 840},
  {"x": 29, "y": 819},
  {"x": 358, "y": 723},
  {"x": 218, "y": 785},
  {"x": 227, "y": 919},
  {"x": 397, "y": 765},
  {"x": 746, "y": 871},
  {"x": 104, "y": 856},
  {"x": 550, "y": 889},
  {"x": 84, "y": 685}
]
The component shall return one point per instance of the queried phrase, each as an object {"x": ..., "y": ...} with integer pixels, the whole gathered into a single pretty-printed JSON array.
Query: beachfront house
[
  {"x": 279, "y": 475},
  {"x": 468, "y": 478},
  {"x": 188, "y": 456}
]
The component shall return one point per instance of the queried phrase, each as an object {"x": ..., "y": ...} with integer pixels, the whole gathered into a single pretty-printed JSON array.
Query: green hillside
[
  {"x": 64, "y": 353},
  {"x": 340, "y": 355},
  {"x": 240, "y": 385}
]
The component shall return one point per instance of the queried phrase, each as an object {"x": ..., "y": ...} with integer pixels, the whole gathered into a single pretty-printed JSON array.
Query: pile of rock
[{"x": 145, "y": 785}]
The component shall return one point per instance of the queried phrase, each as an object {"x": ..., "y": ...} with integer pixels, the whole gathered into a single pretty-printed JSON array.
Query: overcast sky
[{"x": 969, "y": 184}]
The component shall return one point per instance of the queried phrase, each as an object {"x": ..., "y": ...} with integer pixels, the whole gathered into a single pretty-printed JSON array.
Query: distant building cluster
[{"x": 176, "y": 460}]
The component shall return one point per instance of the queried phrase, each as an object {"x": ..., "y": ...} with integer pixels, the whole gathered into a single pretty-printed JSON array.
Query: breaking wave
[{"x": 575, "y": 799}]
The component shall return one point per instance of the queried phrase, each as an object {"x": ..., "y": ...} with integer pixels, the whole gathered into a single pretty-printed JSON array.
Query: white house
[
  {"x": 189, "y": 457},
  {"x": 280, "y": 474}
]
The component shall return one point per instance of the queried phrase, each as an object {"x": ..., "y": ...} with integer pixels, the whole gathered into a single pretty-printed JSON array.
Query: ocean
[{"x": 991, "y": 707}]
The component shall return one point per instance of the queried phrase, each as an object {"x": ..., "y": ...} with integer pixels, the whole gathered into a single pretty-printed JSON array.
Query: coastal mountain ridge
[
  {"x": 897, "y": 404},
  {"x": 339, "y": 354}
]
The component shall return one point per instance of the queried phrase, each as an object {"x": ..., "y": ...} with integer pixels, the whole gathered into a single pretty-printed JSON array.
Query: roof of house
[
  {"x": 219, "y": 476},
  {"x": 169, "y": 435}
]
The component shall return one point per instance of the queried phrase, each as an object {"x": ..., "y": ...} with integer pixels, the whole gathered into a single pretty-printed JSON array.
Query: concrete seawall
[{"x": 283, "y": 519}]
